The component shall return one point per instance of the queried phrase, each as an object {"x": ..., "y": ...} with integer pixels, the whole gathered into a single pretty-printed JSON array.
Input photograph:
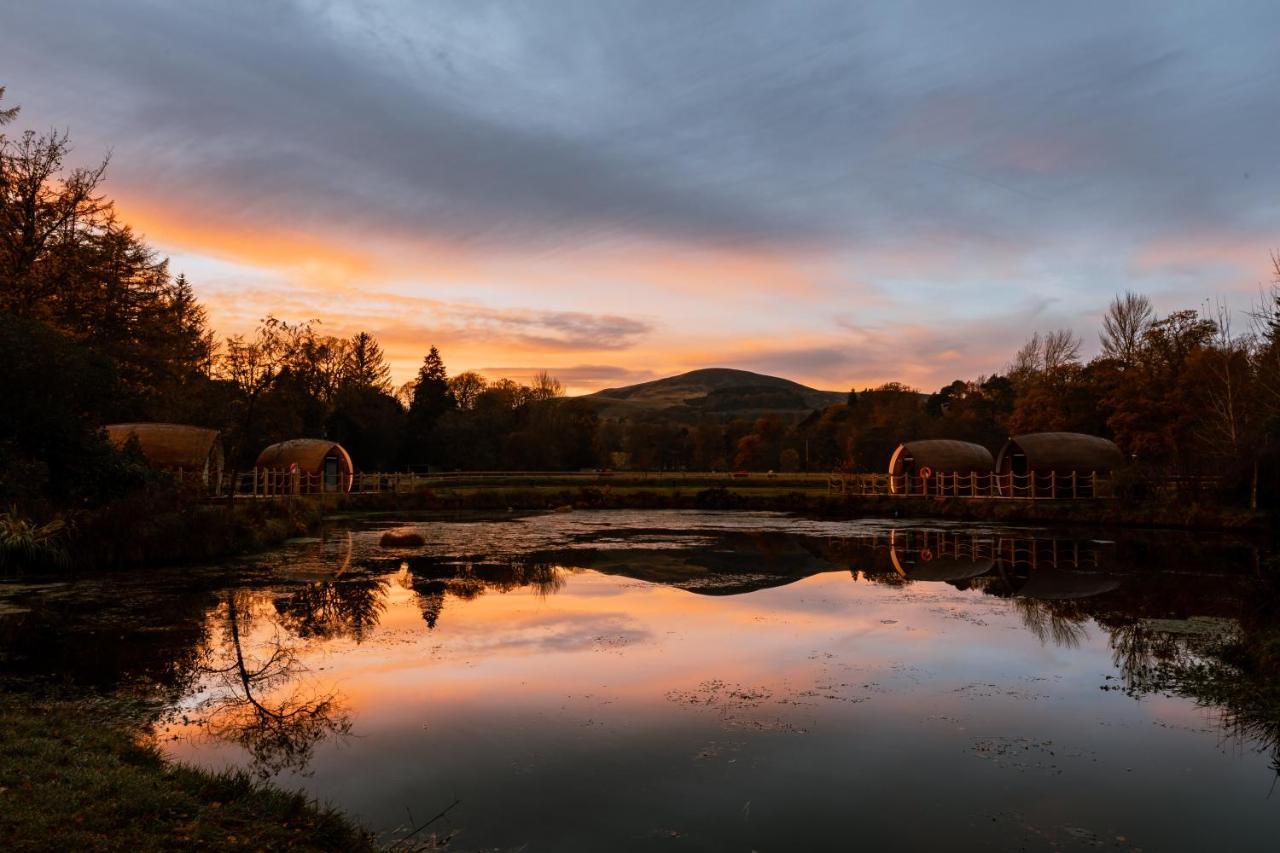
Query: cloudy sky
[{"x": 622, "y": 190}]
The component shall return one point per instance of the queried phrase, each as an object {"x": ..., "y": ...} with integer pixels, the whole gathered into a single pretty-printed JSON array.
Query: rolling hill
[{"x": 716, "y": 391}]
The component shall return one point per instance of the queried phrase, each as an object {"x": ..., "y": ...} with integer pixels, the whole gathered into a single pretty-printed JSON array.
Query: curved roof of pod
[
  {"x": 171, "y": 445},
  {"x": 1063, "y": 451},
  {"x": 307, "y": 453},
  {"x": 942, "y": 455}
]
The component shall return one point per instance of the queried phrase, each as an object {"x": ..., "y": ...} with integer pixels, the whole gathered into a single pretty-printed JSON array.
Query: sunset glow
[{"x": 656, "y": 194}]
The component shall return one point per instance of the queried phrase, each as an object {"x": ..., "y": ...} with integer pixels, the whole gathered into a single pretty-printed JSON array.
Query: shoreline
[
  {"x": 196, "y": 533},
  {"x": 1096, "y": 514},
  {"x": 85, "y": 772}
]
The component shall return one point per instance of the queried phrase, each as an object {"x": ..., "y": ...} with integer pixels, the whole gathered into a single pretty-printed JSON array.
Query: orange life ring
[
  {"x": 926, "y": 555},
  {"x": 926, "y": 472}
]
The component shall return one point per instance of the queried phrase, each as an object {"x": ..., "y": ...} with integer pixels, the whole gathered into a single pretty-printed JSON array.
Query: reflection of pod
[
  {"x": 1050, "y": 584},
  {"x": 949, "y": 569},
  {"x": 931, "y": 567}
]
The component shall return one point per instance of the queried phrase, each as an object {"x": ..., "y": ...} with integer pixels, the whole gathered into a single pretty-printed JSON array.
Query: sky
[{"x": 617, "y": 191}]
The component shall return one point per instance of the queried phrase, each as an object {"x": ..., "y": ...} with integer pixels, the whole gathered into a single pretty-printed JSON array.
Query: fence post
[
  {"x": 1074, "y": 491},
  {"x": 1053, "y": 484}
]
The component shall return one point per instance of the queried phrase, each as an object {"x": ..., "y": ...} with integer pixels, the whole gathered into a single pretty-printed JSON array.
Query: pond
[{"x": 709, "y": 681}]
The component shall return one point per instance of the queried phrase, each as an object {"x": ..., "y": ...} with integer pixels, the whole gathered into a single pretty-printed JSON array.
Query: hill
[{"x": 717, "y": 391}]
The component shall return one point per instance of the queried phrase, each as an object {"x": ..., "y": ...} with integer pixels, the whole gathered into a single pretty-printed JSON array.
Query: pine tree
[
  {"x": 431, "y": 399},
  {"x": 366, "y": 366}
]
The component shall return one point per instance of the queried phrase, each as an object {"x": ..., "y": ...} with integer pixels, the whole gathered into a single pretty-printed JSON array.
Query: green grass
[{"x": 76, "y": 776}]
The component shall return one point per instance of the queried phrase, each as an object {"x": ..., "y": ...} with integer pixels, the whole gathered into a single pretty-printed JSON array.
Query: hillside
[{"x": 718, "y": 391}]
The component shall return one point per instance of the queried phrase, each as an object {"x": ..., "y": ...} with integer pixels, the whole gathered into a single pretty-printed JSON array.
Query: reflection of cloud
[{"x": 547, "y": 632}]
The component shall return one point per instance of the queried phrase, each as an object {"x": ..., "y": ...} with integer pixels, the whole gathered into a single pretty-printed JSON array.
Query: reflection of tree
[
  {"x": 1061, "y": 622},
  {"x": 433, "y": 580},
  {"x": 346, "y": 607},
  {"x": 1232, "y": 666},
  {"x": 263, "y": 706}
]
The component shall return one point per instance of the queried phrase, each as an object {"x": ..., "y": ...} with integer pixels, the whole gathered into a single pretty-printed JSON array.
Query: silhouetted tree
[
  {"x": 366, "y": 366},
  {"x": 431, "y": 399}
]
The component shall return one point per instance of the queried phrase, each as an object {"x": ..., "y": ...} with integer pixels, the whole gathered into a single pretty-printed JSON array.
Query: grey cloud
[
  {"x": 397, "y": 319},
  {"x": 544, "y": 330},
  {"x": 575, "y": 330},
  {"x": 562, "y": 122},
  {"x": 925, "y": 357},
  {"x": 593, "y": 375}
]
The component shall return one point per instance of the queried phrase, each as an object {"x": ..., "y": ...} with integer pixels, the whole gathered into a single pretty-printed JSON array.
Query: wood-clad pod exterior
[
  {"x": 1061, "y": 454},
  {"x": 187, "y": 450},
  {"x": 326, "y": 463},
  {"x": 939, "y": 456}
]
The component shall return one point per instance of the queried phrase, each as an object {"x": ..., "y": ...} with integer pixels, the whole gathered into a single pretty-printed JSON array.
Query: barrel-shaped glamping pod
[
  {"x": 1056, "y": 464},
  {"x": 188, "y": 451},
  {"x": 914, "y": 463},
  {"x": 322, "y": 465}
]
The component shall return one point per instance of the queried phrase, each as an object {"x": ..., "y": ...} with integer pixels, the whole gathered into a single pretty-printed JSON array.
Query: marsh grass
[{"x": 25, "y": 544}]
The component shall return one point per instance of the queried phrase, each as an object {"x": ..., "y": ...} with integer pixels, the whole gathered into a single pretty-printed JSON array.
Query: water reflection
[
  {"x": 329, "y": 609},
  {"x": 254, "y": 694},
  {"x": 501, "y": 645}
]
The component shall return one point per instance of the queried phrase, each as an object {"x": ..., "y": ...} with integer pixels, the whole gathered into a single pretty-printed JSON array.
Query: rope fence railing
[
  {"x": 271, "y": 482},
  {"x": 1034, "y": 485},
  {"x": 975, "y": 485}
]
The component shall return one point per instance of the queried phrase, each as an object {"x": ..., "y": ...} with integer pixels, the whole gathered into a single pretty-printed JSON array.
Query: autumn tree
[
  {"x": 466, "y": 388},
  {"x": 1123, "y": 327},
  {"x": 1154, "y": 411},
  {"x": 1044, "y": 372},
  {"x": 47, "y": 216}
]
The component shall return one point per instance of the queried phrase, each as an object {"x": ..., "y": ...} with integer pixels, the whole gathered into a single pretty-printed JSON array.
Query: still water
[{"x": 709, "y": 681}]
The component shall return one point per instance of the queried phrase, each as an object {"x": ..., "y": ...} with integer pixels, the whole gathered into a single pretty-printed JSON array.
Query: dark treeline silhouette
[{"x": 94, "y": 329}]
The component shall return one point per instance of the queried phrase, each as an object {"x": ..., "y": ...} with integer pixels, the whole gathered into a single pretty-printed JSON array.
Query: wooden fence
[
  {"x": 274, "y": 483},
  {"x": 975, "y": 485}
]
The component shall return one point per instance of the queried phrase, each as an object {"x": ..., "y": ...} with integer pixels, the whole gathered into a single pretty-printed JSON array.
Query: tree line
[{"x": 95, "y": 328}]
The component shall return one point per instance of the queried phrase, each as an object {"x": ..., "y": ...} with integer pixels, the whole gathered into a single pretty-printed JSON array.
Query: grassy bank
[
  {"x": 151, "y": 529},
  {"x": 1104, "y": 513},
  {"x": 76, "y": 776},
  {"x": 145, "y": 530}
]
